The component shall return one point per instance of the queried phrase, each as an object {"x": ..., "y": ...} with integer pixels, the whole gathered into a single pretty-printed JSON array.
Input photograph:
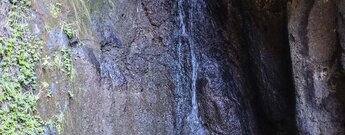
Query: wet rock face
[
  {"x": 136, "y": 86},
  {"x": 150, "y": 70},
  {"x": 220, "y": 91},
  {"x": 208, "y": 67},
  {"x": 146, "y": 80}
]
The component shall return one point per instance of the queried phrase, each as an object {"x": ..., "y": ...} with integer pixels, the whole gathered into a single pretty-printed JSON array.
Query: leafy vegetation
[
  {"x": 67, "y": 63},
  {"x": 20, "y": 53},
  {"x": 61, "y": 60},
  {"x": 55, "y": 9},
  {"x": 67, "y": 29}
]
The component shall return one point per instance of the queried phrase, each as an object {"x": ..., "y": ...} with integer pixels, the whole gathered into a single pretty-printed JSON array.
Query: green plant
[
  {"x": 67, "y": 29},
  {"x": 20, "y": 53},
  {"x": 45, "y": 84},
  {"x": 70, "y": 94},
  {"x": 56, "y": 122},
  {"x": 67, "y": 63},
  {"x": 55, "y": 9}
]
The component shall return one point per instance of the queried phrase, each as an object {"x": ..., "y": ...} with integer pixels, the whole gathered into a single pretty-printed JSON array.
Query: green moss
[
  {"x": 20, "y": 53},
  {"x": 67, "y": 63}
]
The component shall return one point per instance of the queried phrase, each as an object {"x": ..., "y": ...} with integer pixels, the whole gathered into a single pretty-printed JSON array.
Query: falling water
[
  {"x": 179, "y": 90},
  {"x": 193, "y": 120}
]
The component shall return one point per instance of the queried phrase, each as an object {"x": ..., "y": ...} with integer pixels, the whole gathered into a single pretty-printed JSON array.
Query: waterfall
[
  {"x": 193, "y": 119},
  {"x": 180, "y": 100}
]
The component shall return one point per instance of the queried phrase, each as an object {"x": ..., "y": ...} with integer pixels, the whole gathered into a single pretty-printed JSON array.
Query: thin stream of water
[{"x": 193, "y": 117}]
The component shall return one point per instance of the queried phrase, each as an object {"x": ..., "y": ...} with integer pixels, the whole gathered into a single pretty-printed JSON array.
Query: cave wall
[{"x": 316, "y": 59}]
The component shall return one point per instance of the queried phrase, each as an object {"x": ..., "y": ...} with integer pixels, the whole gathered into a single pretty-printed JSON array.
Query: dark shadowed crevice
[
  {"x": 339, "y": 78},
  {"x": 269, "y": 66},
  {"x": 227, "y": 19}
]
